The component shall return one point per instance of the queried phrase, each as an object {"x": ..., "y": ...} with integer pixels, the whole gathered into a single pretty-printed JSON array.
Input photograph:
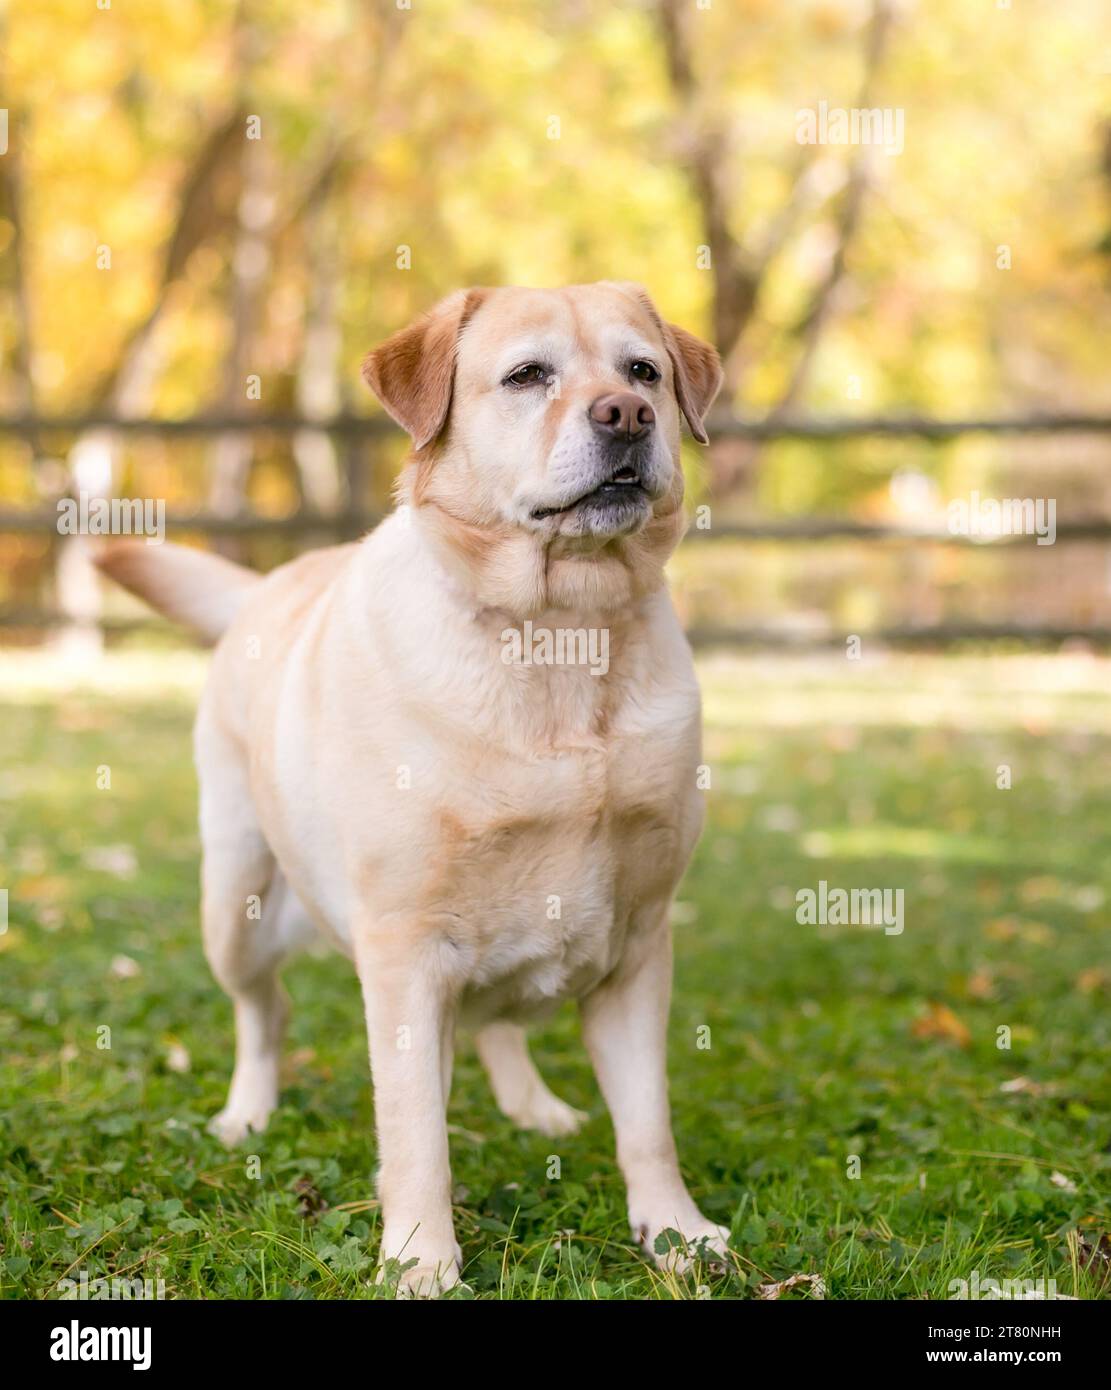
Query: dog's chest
[{"x": 545, "y": 864}]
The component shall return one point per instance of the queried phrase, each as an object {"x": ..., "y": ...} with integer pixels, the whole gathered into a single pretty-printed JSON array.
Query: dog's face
[{"x": 549, "y": 416}]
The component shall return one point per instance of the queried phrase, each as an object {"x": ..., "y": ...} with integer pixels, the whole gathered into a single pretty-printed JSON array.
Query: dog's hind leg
[
  {"x": 519, "y": 1089},
  {"x": 250, "y": 921}
]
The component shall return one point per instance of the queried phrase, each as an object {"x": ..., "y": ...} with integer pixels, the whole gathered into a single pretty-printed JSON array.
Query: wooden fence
[{"x": 355, "y": 436}]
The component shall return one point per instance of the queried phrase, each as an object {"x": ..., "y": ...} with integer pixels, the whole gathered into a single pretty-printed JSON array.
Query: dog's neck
[
  {"x": 521, "y": 575},
  {"x": 548, "y": 676}
]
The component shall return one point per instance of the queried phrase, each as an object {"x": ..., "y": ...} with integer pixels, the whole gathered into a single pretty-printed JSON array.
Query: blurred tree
[{"x": 407, "y": 151}]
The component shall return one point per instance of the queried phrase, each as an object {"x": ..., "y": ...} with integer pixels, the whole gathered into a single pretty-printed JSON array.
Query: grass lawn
[{"x": 823, "y": 1042}]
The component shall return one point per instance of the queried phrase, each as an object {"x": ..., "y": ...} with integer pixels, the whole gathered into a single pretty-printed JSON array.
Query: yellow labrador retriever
[{"x": 465, "y": 749}]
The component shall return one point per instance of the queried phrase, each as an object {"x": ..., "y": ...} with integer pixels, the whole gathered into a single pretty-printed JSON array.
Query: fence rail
[
  {"x": 811, "y": 528},
  {"x": 785, "y": 639},
  {"x": 769, "y": 427}
]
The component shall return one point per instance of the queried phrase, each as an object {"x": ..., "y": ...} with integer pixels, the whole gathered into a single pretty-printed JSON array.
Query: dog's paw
[
  {"x": 232, "y": 1125},
  {"x": 549, "y": 1115},
  {"x": 428, "y": 1281},
  {"x": 679, "y": 1251},
  {"x": 423, "y": 1279}
]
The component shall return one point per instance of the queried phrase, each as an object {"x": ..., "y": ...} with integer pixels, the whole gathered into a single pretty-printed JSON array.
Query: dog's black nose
[{"x": 622, "y": 415}]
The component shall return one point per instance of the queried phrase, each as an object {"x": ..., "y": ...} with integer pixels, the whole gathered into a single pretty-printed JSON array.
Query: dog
[{"x": 486, "y": 826}]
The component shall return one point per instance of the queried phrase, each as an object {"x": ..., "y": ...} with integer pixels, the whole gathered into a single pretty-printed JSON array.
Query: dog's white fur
[{"x": 484, "y": 839}]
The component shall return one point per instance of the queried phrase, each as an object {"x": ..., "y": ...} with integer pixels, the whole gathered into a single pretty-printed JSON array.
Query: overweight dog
[{"x": 485, "y": 835}]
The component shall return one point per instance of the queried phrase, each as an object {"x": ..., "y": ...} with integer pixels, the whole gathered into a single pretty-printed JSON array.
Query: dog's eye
[
  {"x": 531, "y": 374},
  {"x": 644, "y": 371}
]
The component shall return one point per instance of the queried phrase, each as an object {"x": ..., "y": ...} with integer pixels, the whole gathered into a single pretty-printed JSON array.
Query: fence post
[
  {"x": 92, "y": 467},
  {"x": 354, "y": 471}
]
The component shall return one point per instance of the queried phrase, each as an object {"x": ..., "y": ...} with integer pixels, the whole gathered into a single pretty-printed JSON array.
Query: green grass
[{"x": 865, "y": 775}]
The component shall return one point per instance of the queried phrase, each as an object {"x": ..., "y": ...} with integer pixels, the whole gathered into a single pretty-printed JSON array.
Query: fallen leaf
[
  {"x": 310, "y": 1203},
  {"x": 814, "y": 1282},
  {"x": 41, "y": 886},
  {"x": 1095, "y": 1256},
  {"x": 981, "y": 984},
  {"x": 1023, "y": 1086},
  {"x": 941, "y": 1022},
  {"x": 1097, "y": 1252},
  {"x": 1001, "y": 928}
]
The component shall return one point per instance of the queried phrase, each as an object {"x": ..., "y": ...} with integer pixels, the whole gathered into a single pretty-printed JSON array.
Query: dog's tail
[{"x": 201, "y": 591}]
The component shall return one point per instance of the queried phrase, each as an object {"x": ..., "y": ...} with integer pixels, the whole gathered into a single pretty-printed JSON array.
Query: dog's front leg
[
  {"x": 625, "y": 1027},
  {"x": 409, "y": 1014}
]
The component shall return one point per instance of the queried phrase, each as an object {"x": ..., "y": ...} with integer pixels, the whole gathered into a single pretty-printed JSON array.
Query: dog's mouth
[{"x": 625, "y": 486}]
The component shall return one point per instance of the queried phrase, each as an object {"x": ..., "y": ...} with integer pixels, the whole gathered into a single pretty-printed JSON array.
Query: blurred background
[{"x": 209, "y": 212}]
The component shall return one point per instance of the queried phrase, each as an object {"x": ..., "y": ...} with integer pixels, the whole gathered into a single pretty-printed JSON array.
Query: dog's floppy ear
[
  {"x": 698, "y": 376},
  {"x": 696, "y": 365},
  {"x": 412, "y": 373}
]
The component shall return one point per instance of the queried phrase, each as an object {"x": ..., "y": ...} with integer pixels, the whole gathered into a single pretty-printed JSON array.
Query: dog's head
[{"x": 545, "y": 426}]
